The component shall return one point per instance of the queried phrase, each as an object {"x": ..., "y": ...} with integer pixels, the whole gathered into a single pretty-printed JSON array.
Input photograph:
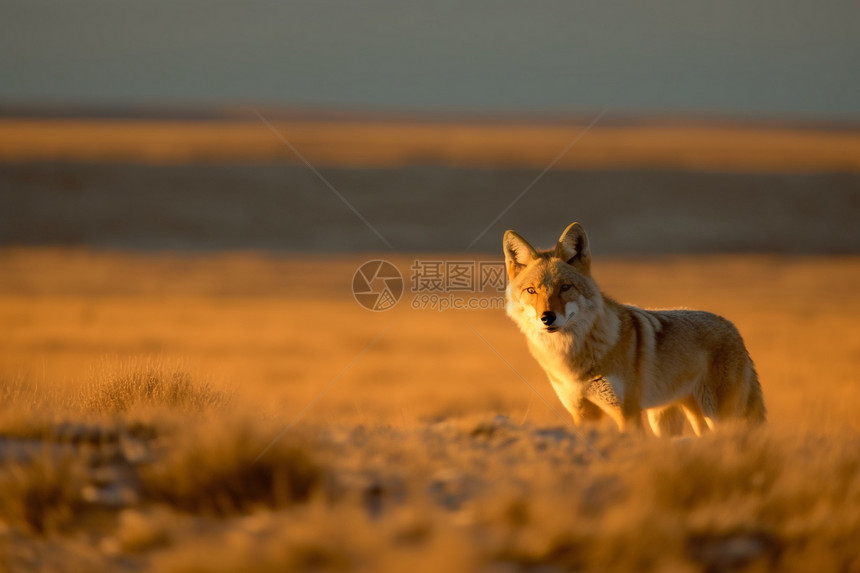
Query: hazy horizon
[{"x": 793, "y": 59}]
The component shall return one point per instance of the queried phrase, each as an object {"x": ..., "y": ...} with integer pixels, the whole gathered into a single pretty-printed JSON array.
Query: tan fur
[{"x": 608, "y": 357}]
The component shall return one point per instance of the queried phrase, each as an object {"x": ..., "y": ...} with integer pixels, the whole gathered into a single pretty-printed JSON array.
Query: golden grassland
[
  {"x": 668, "y": 145},
  {"x": 139, "y": 391}
]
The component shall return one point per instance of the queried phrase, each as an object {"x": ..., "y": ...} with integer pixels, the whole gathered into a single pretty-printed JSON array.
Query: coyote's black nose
[{"x": 547, "y": 317}]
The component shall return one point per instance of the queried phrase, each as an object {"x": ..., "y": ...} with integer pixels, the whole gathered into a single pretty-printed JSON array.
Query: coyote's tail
[{"x": 755, "y": 411}]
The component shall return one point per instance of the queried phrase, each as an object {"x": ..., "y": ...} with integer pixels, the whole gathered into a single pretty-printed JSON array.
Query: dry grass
[
  {"x": 723, "y": 503},
  {"x": 427, "y": 453},
  {"x": 219, "y": 470},
  {"x": 147, "y": 383},
  {"x": 43, "y": 494}
]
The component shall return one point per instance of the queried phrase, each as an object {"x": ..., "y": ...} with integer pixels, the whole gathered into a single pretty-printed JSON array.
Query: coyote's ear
[
  {"x": 518, "y": 253},
  {"x": 572, "y": 247}
]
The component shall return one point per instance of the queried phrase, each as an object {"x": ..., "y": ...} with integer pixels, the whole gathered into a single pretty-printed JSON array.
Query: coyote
[{"x": 605, "y": 357}]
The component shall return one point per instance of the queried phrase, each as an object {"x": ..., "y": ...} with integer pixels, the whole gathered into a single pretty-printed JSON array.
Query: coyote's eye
[
  {"x": 531, "y": 290},
  {"x": 565, "y": 287}
]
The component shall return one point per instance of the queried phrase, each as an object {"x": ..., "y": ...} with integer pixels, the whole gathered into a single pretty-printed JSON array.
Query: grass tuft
[
  {"x": 216, "y": 471},
  {"x": 42, "y": 495},
  {"x": 149, "y": 384}
]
